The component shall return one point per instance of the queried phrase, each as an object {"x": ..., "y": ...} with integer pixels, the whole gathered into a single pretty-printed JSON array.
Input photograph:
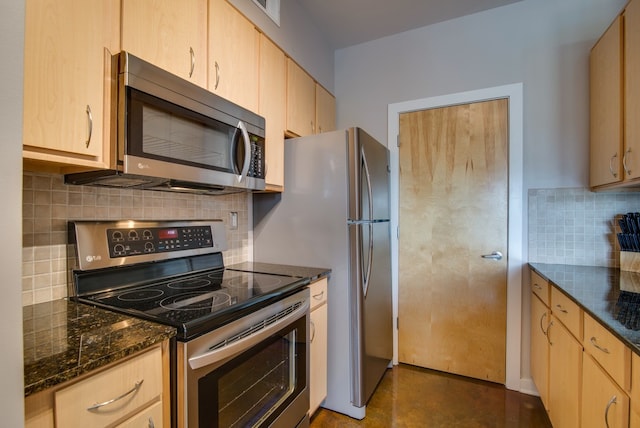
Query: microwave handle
[{"x": 247, "y": 151}]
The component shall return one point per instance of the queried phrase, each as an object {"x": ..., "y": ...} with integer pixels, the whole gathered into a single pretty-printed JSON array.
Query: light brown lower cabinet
[
  {"x": 318, "y": 339},
  {"x": 634, "y": 414},
  {"x": 132, "y": 393},
  {"x": 565, "y": 371},
  {"x": 540, "y": 315},
  {"x": 604, "y": 403}
]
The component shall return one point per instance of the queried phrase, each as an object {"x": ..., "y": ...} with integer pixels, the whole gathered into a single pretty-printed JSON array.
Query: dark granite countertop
[
  {"x": 64, "y": 339},
  {"x": 313, "y": 273},
  {"x": 609, "y": 295}
]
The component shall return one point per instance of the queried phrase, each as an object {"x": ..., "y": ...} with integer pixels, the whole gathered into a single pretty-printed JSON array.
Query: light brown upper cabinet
[
  {"x": 272, "y": 99},
  {"x": 325, "y": 110},
  {"x": 233, "y": 55},
  {"x": 301, "y": 96},
  {"x": 68, "y": 46},
  {"x": 169, "y": 34},
  {"x": 631, "y": 158},
  {"x": 605, "y": 85},
  {"x": 614, "y": 102}
]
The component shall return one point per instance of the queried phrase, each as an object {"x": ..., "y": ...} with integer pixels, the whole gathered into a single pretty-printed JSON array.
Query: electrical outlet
[{"x": 233, "y": 220}]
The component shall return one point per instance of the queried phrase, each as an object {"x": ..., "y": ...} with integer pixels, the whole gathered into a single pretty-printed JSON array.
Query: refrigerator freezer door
[
  {"x": 368, "y": 177},
  {"x": 371, "y": 309}
]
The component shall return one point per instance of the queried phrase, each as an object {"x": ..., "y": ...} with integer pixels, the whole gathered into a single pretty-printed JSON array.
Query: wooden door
[
  {"x": 169, "y": 34},
  {"x": 453, "y": 209}
]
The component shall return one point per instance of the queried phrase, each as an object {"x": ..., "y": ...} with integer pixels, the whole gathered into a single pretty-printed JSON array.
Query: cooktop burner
[{"x": 206, "y": 297}]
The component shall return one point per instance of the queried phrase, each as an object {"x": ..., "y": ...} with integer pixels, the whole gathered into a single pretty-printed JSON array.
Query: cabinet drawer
[
  {"x": 318, "y": 292},
  {"x": 607, "y": 350},
  {"x": 72, "y": 403},
  {"x": 540, "y": 287},
  {"x": 567, "y": 312}
]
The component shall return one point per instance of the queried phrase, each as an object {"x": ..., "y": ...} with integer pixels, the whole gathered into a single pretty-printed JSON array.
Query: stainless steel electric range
[{"x": 241, "y": 353}]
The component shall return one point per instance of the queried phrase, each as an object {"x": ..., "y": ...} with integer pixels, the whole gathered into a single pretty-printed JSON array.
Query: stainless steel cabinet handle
[
  {"x": 561, "y": 309},
  {"x": 496, "y": 255},
  {"x": 133, "y": 390},
  {"x": 537, "y": 286},
  {"x": 313, "y": 331},
  {"x": 90, "y": 125},
  {"x": 151, "y": 424},
  {"x": 541, "y": 326},
  {"x": 624, "y": 162},
  {"x": 615, "y": 174},
  {"x": 606, "y": 410},
  {"x": 193, "y": 61},
  {"x": 217, "y": 74},
  {"x": 594, "y": 342},
  {"x": 549, "y": 334},
  {"x": 319, "y": 296}
]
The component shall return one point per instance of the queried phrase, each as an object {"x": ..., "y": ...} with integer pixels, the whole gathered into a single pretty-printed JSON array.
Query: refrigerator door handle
[{"x": 365, "y": 170}]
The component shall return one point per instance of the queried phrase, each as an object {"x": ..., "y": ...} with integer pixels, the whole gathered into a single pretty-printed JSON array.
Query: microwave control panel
[{"x": 125, "y": 242}]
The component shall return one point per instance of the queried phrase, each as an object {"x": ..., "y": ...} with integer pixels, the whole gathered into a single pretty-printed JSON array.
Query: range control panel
[
  {"x": 126, "y": 242},
  {"x": 117, "y": 243}
]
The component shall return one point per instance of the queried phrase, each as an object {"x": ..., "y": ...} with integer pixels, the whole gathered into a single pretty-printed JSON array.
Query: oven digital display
[{"x": 167, "y": 233}]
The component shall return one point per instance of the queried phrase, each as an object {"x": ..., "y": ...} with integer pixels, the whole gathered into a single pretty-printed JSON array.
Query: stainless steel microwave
[{"x": 174, "y": 135}]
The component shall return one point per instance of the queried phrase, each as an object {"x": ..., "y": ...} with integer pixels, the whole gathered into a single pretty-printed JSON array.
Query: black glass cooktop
[{"x": 196, "y": 303}]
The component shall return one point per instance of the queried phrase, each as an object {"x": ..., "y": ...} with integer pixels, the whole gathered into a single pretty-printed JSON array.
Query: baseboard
[{"x": 528, "y": 387}]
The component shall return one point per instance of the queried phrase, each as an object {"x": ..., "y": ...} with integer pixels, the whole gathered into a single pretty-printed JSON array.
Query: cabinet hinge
[
  {"x": 397, "y": 323},
  {"x": 398, "y": 140}
]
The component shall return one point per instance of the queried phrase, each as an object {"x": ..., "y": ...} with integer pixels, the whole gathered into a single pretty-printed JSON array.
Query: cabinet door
[
  {"x": 150, "y": 417},
  {"x": 233, "y": 55},
  {"x": 273, "y": 86},
  {"x": 605, "y": 65},
  {"x": 540, "y": 348},
  {"x": 632, "y": 89},
  {"x": 318, "y": 359},
  {"x": 325, "y": 110},
  {"x": 565, "y": 368},
  {"x": 301, "y": 94},
  {"x": 169, "y": 34},
  {"x": 604, "y": 404},
  {"x": 68, "y": 46}
]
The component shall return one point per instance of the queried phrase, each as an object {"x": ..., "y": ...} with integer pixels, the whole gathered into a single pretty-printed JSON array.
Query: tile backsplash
[
  {"x": 48, "y": 204},
  {"x": 576, "y": 226}
]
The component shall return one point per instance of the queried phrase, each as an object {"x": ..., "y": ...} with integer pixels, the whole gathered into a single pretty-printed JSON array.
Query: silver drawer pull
[
  {"x": 133, "y": 390},
  {"x": 561, "y": 309},
  {"x": 537, "y": 286},
  {"x": 595, "y": 343},
  {"x": 319, "y": 296}
]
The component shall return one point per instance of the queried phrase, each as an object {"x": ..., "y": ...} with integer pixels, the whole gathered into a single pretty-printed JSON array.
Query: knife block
[{"x": 629, "y": 261}]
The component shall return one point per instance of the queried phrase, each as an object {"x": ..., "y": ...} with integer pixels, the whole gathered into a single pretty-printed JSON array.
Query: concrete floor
[{"x": 409, "y": 396}]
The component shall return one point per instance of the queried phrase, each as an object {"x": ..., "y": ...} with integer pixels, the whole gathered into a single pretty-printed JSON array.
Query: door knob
[{"x": 496, "y": 255}]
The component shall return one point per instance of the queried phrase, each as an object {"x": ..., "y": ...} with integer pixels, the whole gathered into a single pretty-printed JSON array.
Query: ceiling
[{"x": 350, "y": 22}]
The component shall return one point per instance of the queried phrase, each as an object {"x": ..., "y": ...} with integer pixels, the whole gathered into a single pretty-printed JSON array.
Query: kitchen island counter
[
  {"x": 609, "y": 295},
  {"x": 64, "y": 339}
]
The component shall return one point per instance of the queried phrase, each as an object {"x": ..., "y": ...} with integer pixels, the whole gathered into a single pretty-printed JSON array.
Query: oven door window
[
  {"x": 161, "y": 130},
  {"x": 254, "y": 388}
]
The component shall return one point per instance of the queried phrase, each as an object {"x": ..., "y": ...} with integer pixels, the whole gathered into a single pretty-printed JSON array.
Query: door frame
[{"x": 514, "y": 93}]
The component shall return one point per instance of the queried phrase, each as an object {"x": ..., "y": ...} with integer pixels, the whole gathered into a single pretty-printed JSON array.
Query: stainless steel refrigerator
[{"x": 334, "y": 212}]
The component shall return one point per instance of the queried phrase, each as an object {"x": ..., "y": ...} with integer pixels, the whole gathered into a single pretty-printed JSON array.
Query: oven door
[{"x": 252, "y": 372}]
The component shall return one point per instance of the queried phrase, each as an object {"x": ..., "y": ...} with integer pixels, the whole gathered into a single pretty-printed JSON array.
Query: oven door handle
[{"x": 237, "y": 347}]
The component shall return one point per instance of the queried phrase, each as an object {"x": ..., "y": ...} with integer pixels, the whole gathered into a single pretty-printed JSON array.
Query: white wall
[
  {"x": 297, "y": 35},
  {"x": 11, "y": 363},
  {"x": 542, "y": 43}
]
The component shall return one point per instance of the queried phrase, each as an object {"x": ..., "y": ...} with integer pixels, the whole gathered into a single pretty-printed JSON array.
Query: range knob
[
  {"x": 133, "y": 235},
  {"x": 117, "y": 236},
  {"x": 148, "y": 247},
  {"x": 146, "y": 234},
  {"x": 118, "y": 249}
]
